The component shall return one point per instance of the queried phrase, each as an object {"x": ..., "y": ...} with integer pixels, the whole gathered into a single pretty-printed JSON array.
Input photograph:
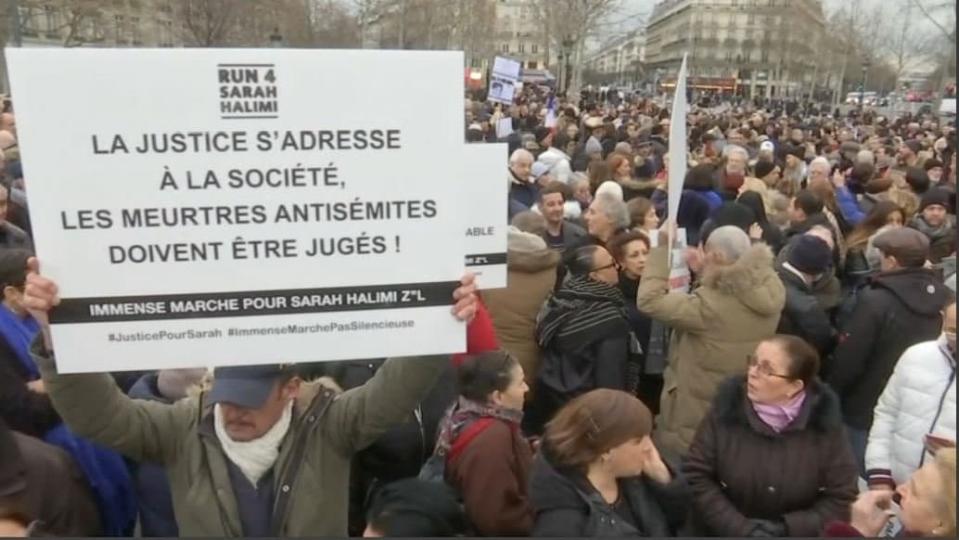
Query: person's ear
[
  {"x": 10, "y": 293},
  {"x": 291, "y": 389},
  {"x": 799, "y": 386}
]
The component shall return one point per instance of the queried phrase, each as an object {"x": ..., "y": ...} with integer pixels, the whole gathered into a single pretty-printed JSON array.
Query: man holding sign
[{"x": 262, "y": 453}]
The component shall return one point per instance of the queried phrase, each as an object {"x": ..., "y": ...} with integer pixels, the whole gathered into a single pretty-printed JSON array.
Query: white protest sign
[
  {"x": 487, "y": 193},
  {"x": 504, "y": 127},
  {"x": 504, "y": 81},
  {"x": 218, "y": 206},
  {"x": 679, "y": 276}
]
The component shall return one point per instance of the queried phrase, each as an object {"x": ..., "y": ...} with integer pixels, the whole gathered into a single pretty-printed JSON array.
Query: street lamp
[
  {"x": 568, "y": 52},
  {"x": 276, "y": 40},
  {"x": 862, "y": 85}
]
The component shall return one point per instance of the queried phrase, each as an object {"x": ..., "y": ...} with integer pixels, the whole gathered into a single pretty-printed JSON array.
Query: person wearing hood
[
  {"x": 916, "y": 410},
  {"x": 557, "y": 160},
  {"x": 531, "y": 274},
  {"x": 715, "y": 326},
  {"x": 803, "y": 316},
  {"x": 522, "y": 187},
  {"x": 935, "y": 221},
  {"x": 599, "y": 474},
  {"x": 597, "y": 131},
  {"x": 154, "y": 500},
  {"x": 900, "y": 307},
  {"x": 584, "y": 333},
  {"x": 261, "y": 453},
  {"x": 771, "y": 458}
]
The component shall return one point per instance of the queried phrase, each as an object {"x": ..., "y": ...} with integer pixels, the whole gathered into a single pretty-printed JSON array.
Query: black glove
[{"x": 764, "y": 528}]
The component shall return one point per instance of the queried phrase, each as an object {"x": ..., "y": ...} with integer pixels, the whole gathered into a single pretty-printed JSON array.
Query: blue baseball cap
[{"x": 247, "y": 386}]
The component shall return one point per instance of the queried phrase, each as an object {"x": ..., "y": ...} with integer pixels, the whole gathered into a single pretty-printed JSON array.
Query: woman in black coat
[
  {"x": 598, "y": 473},
  {"x": 772, "y": 457}
]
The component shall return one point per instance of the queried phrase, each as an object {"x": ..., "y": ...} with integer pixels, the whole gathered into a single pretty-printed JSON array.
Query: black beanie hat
[
  {"x": 933, "y": 197},
  {"x": 809, "y": 254},
  {"x": 763, "y": 168}
]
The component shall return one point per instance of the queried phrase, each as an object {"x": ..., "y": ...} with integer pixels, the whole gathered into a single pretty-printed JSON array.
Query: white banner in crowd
[
  {"x": 487, "y": 194},
  {"x": 504, "y": 83},
  {"x": 244, "y": 206},
  {"x": 677, "y": 143}
]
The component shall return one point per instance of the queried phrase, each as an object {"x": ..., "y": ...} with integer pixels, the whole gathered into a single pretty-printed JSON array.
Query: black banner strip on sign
[
  {"x": 245, "y": 117},
  {"x": 485, "y": 259},
  {"x": 245, "y": 65},
  {"x": 251, "y": 303}
]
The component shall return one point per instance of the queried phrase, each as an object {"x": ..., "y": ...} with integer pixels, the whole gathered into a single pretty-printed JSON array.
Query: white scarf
[{"x": 254, "y": 457}]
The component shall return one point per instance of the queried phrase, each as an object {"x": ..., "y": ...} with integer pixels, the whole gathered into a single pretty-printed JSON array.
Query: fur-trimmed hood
[
  {"x": 528, "y": 253},
  {"x": 751, "y": 279},
  {"x": 821, "y": 410}
]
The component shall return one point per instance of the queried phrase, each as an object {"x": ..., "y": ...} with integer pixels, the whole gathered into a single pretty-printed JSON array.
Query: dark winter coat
[
  {"x": 895, "y": 311},
  {"x": 22, "y": 409},
  {"x": 740, "y": 469},
  {"x": 803, "y": 316},
  {"x": 827, "y": 288},
  {"x": 154, "y": 500},
  {"x": 13, "y": 237},
  {"x": 492, "y": 476},
  {"x": 567, "y": 505},
  {"x": 45, "y": 483}
]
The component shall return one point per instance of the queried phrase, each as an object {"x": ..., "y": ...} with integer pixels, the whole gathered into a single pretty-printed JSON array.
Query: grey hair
[
  {"x": 729, "y": 241},
  {"x": 821, "y": 161},
  {"x": 866, "y": 156},
  {"x": 578, "y": 178},
  {"x": 733, "y": 148},
  {"x": 519, "y": 154},
  {"x": 614, "y": 208}
]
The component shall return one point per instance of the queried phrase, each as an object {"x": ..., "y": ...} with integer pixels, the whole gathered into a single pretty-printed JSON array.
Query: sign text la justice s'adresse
[{"x": 245, "y": 206}]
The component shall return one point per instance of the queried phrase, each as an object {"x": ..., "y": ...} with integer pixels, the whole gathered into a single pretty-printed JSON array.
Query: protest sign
[
  {"x": 217, "y": 206},
  {"x": 679, "y": 276},
  {"x": 505, "y": 80},
  {"x": 487, "y": 193}
]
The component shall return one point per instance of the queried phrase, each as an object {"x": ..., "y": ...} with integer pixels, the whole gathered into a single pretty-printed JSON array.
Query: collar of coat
[
  {"x": 821, "y": 410},
  {"x": 748, "y": 279},
  {"x": 313, "y": 398}
]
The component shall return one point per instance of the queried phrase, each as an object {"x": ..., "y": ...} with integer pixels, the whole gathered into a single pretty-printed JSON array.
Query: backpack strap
[{"x": 467, "y": 436}]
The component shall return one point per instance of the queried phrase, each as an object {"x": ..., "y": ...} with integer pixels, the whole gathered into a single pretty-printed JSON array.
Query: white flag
[{"x": 677, "y": 143}]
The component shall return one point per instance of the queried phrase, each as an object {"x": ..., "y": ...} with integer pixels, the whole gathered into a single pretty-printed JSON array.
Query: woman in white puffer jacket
[{"x": 919, "y": 400}]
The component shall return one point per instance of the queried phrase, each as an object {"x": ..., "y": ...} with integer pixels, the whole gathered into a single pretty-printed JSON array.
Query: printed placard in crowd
[
  {"x": 487, "y": 193},
  {"x": 505, "y": 80},
  {"x": 218, "y": 206}
]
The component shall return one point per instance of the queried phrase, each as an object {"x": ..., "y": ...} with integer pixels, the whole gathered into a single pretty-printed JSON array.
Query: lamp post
[
  {"x": 862, "y": 85},
  {"x": 560, "y": 83},
  {"x": 276, "y": 40},
  {"x": 568, "y": 52}
]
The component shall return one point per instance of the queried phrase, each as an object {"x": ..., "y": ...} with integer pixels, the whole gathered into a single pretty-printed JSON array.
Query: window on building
[
  {"x": 504, "y": 48},
  {"x": 534, "y": 48},
  {"x": 119, "y": 32},
  {"x": 135, "y": 34},
  {"x": 522, "y": 47},
  {"x": 532, "y": 64},
  {"x": 765, "y": 56},
  {"x": 51, "y": 19}
]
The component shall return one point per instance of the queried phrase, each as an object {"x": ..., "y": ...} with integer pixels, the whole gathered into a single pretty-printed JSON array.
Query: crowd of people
[{"x": 800, "y": 381}]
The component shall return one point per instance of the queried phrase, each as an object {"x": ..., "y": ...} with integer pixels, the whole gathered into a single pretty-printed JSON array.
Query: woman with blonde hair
[
  {"x": 927, "y": 504},
  {"x": 599, "y": 474}
]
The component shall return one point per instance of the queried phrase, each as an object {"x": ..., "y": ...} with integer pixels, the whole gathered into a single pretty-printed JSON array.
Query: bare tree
[
  {"x": 69, "y": 19},
  {"x": 574, "y": 21},
  {"x": 207, "y": 23}
]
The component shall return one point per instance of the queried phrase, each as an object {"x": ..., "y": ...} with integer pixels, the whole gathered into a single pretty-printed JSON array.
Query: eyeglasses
[
  {"x": 763, "y": 368},
  {"x": 613, "y": 264}
]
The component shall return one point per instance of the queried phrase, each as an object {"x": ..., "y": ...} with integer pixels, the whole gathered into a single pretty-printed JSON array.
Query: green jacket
[{"x": 311, "y": 474}]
